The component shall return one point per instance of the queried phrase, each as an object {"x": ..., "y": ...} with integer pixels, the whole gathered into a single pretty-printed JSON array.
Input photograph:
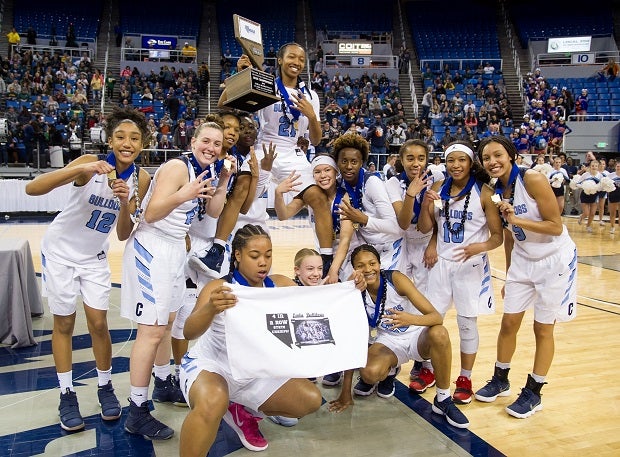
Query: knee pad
[{"x": 468, "y": 331}]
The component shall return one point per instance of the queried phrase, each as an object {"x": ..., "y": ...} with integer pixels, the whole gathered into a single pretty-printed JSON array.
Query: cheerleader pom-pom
[
  {"x": 574, "y": 183},
  {"x": 544, "y": 168},
  {"x": 607, "y": 184},
  {"x": 589, "y": 187},
  {"x": 557, "y": 180}
]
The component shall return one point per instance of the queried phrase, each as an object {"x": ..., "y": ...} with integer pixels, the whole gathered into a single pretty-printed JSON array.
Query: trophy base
[{"x": 250, "y": 90}]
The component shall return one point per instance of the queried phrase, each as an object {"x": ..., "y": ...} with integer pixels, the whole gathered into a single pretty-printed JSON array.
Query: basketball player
[
  {"x": 467, "y": 223},
  {"x": 541, "y": 263},
  {"x": 154, "y": 261},
  {"x": 74, "y": 251},
  {"x": 280, "y": 126}
]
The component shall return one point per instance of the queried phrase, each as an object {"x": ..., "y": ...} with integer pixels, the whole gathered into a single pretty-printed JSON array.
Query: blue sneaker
[
  {"x": 168, "y": 391},
  {"x": 284, "y": 421},
  {"x": 333, "y": 379},
  {"x": 110, "y": 406},
  {"x": 69, "y": 412},
  {"x": 386, "y": 388},
  {"x": 211, "y": 262},
  {"x": 525, "y": 405},
  {"x": 363, "y": 389},
  {"x": 140, "y": 422},
  {"x": 447, "y": 408},
  {"x": 494, "y": 388}
]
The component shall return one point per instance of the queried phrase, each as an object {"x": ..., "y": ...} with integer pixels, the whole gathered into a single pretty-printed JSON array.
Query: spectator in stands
[
  {"x": 427, "y": 102},
  {"x": 188, "y": 53},
  {"x": 96, "y": 85},
  {"x": 446, "y": 139},
  {"x": 14, "y": 40},
  {"x": 203, "y": 78},
  {"x": 581, "y": 105},
  {"x": 609, "y": 71},
  {"x": 71, "y": 37},
  {"x": 488, "y": 69},
  {"x": 374, "y": 105},
  {"x": 377, "y": 134},
  {"x": 31, "y": 36},
  {"x": 180, "y": 138}
]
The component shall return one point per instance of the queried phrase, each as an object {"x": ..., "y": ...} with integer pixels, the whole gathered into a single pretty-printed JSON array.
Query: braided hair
[{"x": 242, "y": 236}]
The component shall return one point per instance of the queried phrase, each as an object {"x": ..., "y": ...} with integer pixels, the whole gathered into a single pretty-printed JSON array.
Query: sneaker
[
  {"x": 494, "y": 388},
  {"x": 589, "y": 229},
  {"x": 363, "y": 389},
  {"x": 415, "y": 370},
  {"x": 424, "y": 380},
  {"x": 580, "y": 221},
  {"x": 168, "y": 391},
  {"x": 386, "y": 388},
  {"x": 526, "y": 405},
  {"x": 245, "y": 426},
  {"x": 612, "y": 230},
  {"x": 211, "y": 262},
  {"x": 110, "y": 407},
  {"x": 312, "y": 379},
  {"x": 140, "y": 422},
  {"x": 283, "y": 421},
  {"x": 447, "y": 408},
  {"x": 332, "y": 379},
  {"x": 601, "y": 223},
  {"x": 69, "y": 411},
  {"x": 462, "y": 393}
]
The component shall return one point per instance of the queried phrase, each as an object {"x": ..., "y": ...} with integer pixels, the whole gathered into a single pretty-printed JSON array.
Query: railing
[{"x": 75, "y": 53}]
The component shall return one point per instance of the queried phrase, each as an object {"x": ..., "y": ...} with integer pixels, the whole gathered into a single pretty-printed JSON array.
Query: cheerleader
[
  {"x": 602, "y": 194},
  {"x": 614, "y": 199},
  {"x": 589, "y": 184},
  {"x": 467, "y": 223},
  {"x": 557, "y": 178}
]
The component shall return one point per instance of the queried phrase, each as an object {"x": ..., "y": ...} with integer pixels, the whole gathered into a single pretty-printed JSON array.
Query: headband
[
  {"x": 461, "y": 148},
  {"x": 323, "y": 160}
]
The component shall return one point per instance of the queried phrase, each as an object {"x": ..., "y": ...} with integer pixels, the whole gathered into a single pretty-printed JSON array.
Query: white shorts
[
  {"x": 466, "y": 284},
  {"x": 248, "y": 392},
  {"x": 549, "y": 285},
  {"x": 62, "y": 284},
  {"x": 189, "y": 302},
  {"x": 403, "y": 345},
  {"x": 413, "y": 263},
  {"x": 153, "y": 278},
  {"x": 390, "y": 256},
  {"x": 285, "y": 164}
]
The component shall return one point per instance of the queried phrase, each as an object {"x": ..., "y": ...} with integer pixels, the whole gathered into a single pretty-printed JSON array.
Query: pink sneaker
[{"x": 245, "y": 426}]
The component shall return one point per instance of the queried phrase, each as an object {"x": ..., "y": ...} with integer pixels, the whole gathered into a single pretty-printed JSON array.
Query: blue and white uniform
[
  {"x": 209, "y": 353},
  {"x": 415, "y": 241},
  {"x": 543, "y": 268},
  {"x": 402, "y": 341},
  {"x": 614, "y": 195},
  {"x": 381, "y": 231},
  {"x": 467, "y": 283},
  {"x": 154, "y": 263},
  {"x": 279, "y": 127},
  {"x": 75, "y": 246}
]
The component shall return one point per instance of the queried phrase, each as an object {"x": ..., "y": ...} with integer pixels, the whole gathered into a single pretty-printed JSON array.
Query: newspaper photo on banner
[{"x": 296, "y": 332}]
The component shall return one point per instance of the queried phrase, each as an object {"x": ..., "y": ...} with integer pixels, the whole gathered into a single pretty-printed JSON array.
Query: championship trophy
[{"x": 251, "y": 89}]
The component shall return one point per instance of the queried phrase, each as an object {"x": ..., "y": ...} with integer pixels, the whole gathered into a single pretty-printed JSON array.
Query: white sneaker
[
  {"x": 612, "y": 230},
  {"x": 601, "y": 223},
  {"x": 589, "y": 229}
]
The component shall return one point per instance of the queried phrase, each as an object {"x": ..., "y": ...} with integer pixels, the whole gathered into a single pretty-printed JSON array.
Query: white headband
[
  {"x": 323, "y": 160},
  {"x": 461, "y": 148}
]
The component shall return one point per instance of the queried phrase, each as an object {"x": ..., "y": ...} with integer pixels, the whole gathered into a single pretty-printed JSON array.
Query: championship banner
[{"x": 296, "y": 332}]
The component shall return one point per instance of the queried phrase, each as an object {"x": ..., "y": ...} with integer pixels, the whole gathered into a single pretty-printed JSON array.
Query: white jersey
[
  {"x": 279, "y": 128},
  {"x": 526, "y": 242},
  {"x": 78, "y": 236},
  {"x": 177, "y": 223},
  {"x": 396, "y": 189},
  {"x": 392, "y": 301},
  {"x": 475, "y": 227}
]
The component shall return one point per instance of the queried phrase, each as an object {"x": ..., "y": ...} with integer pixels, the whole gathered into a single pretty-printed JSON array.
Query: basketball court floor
[{"x": 581, "y": 401}]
